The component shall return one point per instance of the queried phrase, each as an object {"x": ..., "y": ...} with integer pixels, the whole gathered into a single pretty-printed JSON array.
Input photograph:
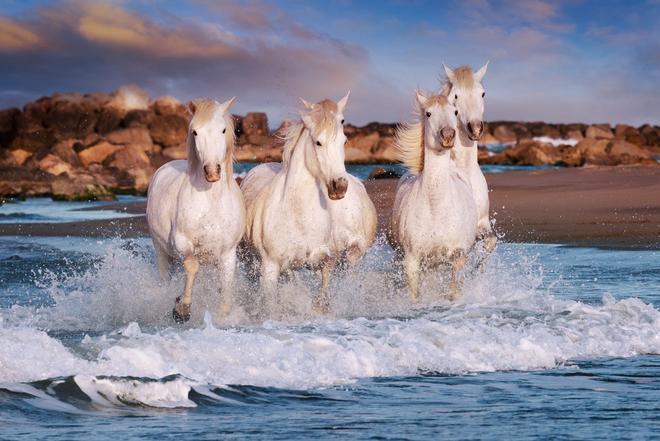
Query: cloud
[
  {"x": 13, "y": 36},
  {"x": 100, "y": 46}
]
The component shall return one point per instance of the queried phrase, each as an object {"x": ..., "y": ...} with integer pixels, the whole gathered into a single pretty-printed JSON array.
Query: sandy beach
[{"x": 597, "y": 206}]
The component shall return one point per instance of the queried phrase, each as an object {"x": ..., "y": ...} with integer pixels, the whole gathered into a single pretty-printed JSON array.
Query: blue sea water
[{"x": 547, "y": 342}]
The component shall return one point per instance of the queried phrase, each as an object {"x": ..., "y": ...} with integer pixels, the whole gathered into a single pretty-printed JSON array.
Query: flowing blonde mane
[
  {"x": 205, "y": 109},
  {"x": 409, "y": 138},
  {"x": 324, "y": 117}
]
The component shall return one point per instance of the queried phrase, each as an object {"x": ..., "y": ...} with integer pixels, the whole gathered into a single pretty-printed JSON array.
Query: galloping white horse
[
  {"x": 308, "y": 211},
  {"x": 434, "y": 218},
  {"x": 464, "y": 90},
  {"x": 195, "y": 208}
]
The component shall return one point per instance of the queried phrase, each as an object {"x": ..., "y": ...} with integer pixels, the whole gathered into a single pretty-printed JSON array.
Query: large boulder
[
  {"x": 19, "y": 182},
  {"x": 594, "y": 151},
  {"x": 530, "y": 152},
  {"x": 623, "y": 152},
  {"x": 574, "y": 134},
  {"x": 54, "y": 165},
  {"x": 169, "y": 130},
  {"x": 629, "y": 134},
  {"x": 70, "y": 116},
  {"x": 135, "y": 136},
  {"x": 80, "y": 187},
  {"x": 504, "y": 134},
  {"x": 364, "y": 142},
  {"x": 176, "y": 152},
  {"x": 167, "y": 105},
  {"x": 599, "y": 131},
  {"x": 66, "y": 150},
  {"x": 108, "y": 119},
  {"x": 133, "y": 161},
  {"x": 97, "y": 153},
  {"x": 254, "y": 128}
]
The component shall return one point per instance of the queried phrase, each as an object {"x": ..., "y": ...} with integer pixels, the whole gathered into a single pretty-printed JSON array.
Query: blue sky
[{"x": 560, "y": 61}]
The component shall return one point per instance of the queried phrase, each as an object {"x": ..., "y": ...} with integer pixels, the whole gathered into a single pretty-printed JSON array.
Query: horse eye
[
  {"x": 342, "y": 121},
  {"x": 483, "y": 94},
  {"x": 224, "y": 130},
  {"x": 456, "y": 112},
  {"x": 455, "y": 97},
  {"x": 194, "y": 132},
  {"x": 428, "y": 114},
  {"x": 318, "y": 143}
]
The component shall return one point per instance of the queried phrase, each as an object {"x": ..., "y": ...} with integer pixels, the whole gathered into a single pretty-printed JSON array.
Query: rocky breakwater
[{"x": 571, "y": 145}]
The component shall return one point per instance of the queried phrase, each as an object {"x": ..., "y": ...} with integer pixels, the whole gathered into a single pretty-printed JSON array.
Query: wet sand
[{"x": 592, "y": 206}]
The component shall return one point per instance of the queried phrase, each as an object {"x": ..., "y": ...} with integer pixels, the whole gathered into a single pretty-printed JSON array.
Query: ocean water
[
  {"x": 546, "y": 342},
  {"x": 45, "y": 210}
]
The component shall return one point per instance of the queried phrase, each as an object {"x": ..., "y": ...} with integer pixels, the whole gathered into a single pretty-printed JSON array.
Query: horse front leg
[
  {"x": 411, "y": 268},
  {"x": 227, "y": 266},
  {"x": 164, "y": 261},
  {"x": 455, "y": 284},
  {"x": 181, "y": 312},
  {"x": 321, "y": 303}
]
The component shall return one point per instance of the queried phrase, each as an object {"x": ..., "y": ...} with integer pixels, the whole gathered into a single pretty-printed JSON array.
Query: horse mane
[
  {"x": 409, "y": 138},
  {"x": 205, "y": 109},
  {"x": 464, "y": 78},
  {"x": 323, "y": 115}
]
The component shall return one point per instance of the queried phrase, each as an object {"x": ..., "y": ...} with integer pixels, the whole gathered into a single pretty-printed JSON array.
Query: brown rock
[
  {"x": 138, "y": 118},
  {"x": 504, "y": 134},
  {"x": 108, "y": 119},
  {"x": 530, "y": 152},
  {"x": 20, "y": 156},
  {"x": 629, "y": 134},
  {"x": 136, "y": 136},
  {"x": 66, "y": 151},
  {"x": 599, "y": 132},
  {"x": 169, "y": 130},
  {"x": 627, "y": 153},
  {"x": 364, "y": 142},
  {"x": 594, "y": 151},
  {"x": 571, "y": 156},
  {"x": 133, "y": 161},
  {"x": 81, "y": 187},
  {"x": 97, "y": 153},
  {"x": 574, "y": 134},
  {"x": 166, "y": 105},
  {"x": 70, "y": 116},
  {"x": 488, "y": 139},
  {"x": 18, "y": 181},
  {"x": 356, "y": 155},
  {"x": 54, "y": 165},
  {"x": 254, "y": 128}
]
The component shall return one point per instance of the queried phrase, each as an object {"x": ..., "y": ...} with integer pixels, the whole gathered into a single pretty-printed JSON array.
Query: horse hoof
[
  {"x": 180, "y": 318},
  {"x": 180, "y": 313}
]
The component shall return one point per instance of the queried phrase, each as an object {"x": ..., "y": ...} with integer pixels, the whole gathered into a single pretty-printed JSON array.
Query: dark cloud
[{"x": 89, "y": 46}]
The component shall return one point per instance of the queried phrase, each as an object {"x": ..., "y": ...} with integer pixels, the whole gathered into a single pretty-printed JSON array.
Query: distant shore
[{"x": 593, "y": 206}]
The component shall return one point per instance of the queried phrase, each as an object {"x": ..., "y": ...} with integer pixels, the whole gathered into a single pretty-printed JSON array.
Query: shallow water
[
  {"x": 547, "y": 341},
  {"x": 45, "y": 210}
]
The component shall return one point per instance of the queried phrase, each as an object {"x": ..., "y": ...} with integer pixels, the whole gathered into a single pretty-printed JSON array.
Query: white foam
[
  {"x": 555, "y": 142},
  {"x": 504, "y": 321}
]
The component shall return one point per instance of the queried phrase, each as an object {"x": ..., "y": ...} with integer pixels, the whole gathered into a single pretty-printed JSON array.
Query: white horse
[
  {"x": 307, "y": 211},
  {"x": 434, "y": 218},
  {"x": 464, "y": 90},
  {"x": 195, "y": 209}
]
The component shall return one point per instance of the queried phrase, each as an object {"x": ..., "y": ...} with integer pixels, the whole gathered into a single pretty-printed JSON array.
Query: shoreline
[{"x": 606, "y": 207}]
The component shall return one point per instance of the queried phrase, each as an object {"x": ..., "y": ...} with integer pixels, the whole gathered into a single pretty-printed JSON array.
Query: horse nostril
[
  {"x": 469, "y": 126},
  {"x": 217, "y": 168}
]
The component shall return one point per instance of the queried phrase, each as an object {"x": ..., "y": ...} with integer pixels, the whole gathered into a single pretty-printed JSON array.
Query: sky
[{"x": 554, "y": 61}]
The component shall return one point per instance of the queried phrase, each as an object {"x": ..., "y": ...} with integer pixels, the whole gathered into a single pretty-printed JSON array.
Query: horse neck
[
  {"x": 436, "y": 168},
  {"x": 465, "y": 151},
  {"x": 297, "y": 170}
]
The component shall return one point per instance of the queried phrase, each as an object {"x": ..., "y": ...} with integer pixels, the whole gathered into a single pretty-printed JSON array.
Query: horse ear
[
  {"x": 306, "y": 103},
  {"x": 227, "y": 104},
  {"x": 191, "y": 107},
  {"x": 341, "y": 105},
  {"x": 450, "y": 74},
  {"x": 479, "y": 75},
  {"x": 421, "y": 98}
]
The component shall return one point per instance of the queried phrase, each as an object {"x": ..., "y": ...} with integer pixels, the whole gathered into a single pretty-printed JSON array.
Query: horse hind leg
[{"x": 181, "y": 311}]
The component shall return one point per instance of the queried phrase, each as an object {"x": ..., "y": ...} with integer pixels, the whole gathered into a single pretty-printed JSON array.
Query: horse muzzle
[
  {"x": 447, "y": 137},
  {"x": 212, "y": 172},
  {"x": 475, "y": 130},
  {"x": 337, "y": 188}
]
